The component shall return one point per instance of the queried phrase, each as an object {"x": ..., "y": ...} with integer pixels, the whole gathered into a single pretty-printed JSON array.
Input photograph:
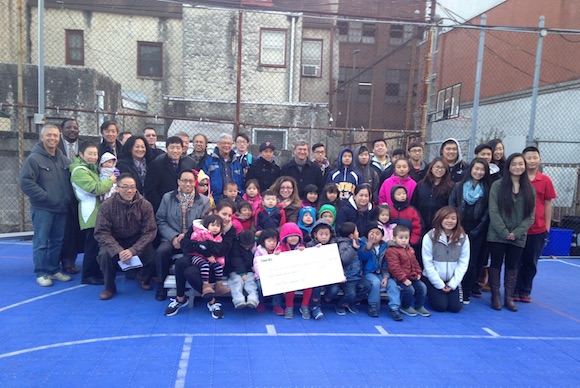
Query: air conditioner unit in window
[{"x": 310, "y": 70}]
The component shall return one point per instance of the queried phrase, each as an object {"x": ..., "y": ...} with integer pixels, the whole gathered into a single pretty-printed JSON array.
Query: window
[
  {"x": 262, "y": 3},
  {"x": 399, "y": 34},
  {"x": 448, "y": 101},
  {"x": 356, "y": 32},
  {"x": 397, "y": 86},
  {"x": 368, "y": 32},
  {"x": 278, "y": 137},
  {"x": 150, "y": 59},
  {"x": 365, "y": 84},
  {"x": 342, "y": 31},
  {"x": 75, "y": 47},
  {"x": 272, "y": 47},
  {"x": 311, "y": 58}
]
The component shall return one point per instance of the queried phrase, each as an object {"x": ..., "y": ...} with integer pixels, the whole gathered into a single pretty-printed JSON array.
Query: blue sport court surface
[{"x": 65, "y": 336}]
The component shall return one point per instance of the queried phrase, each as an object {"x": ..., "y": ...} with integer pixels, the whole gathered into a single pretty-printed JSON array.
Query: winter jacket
[
  {"x": 368, "y": 173},
  {"x": 162, "y": 178},
  {"x": 351, "y": 264},
  {"x": 310, "y": 173},
  {"x": 385, "y": 191},
  {"x": 378, "y": 165},
  {"x": 371, "y": 261},
  {"x": 256, "y": 201},
  {"x": 304, "y": 228},
  {"x": 217, "y": 169},
  {"x": 427, "y": 203},
  {"x": 265, "y": 172},
  {"x": 45, "y": 179},
  {"x": 501, "y": 224},
  {"x": 169, "y": 214},
  {"x": 407, "y": 215},
  {"x": 125, "y": 225},
  {"x": 418, "y": 175},
  {"x": 402, "y": 263},
  {"x": 208, "y": 244},
  {"x": 480, "y": 210},
  {"x": 313, "y": 241},
  {"x": 444, "y": 263},
  {"x": 325, "y": 168},
  {"x": 105, "y": 147},
  {"x": 241, "y": 260},
  {"x": 346, "y": 178},
  {"x": 87, "y": 187},
  {"x": 289, "y": 229},
  {"x": 269, "y": 220},
  {"x": 128, "y": 166},
  {"x": 456, "y": 170},
  {"x": 188, "y": 246},
  {"x": 350, "y": 212},
  {"x": 260, "y": 251}
]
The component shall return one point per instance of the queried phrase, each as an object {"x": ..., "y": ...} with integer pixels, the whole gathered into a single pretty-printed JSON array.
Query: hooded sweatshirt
[
  {"x": 201, "y": 175},
  {"x": 404, "y": 214},
  {"x": 385, "y": 192},
  {"x": 456, "y": 170},
  {"x": 313, "y": 241},
  {"x": 367, "y": 172},
  {"x": 306, "y": 228},
  {"x": 345, "y": 177},
  {"x": 289, "y": 229},
  {"x": 328, "y": 209}
]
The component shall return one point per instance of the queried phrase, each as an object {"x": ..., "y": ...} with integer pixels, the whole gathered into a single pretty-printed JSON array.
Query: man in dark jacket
[
  {"x": 125, "y": 228},
  {"x": 109, "y": 132},
  {"x": 302, "y": 169},
  {"x": 265, "y": 170},
  {"x": 451, "y": 152},
  {"x": 45, "y": 179}
]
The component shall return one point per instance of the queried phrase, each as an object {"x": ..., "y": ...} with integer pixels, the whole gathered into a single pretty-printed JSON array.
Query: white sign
[{"x": 298, "y": 270}]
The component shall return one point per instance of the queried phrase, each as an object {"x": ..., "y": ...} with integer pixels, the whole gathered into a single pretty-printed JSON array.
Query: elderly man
[
  {"x": 223, "y": 167},
  {"x": 176, "y": 213},
  {"x": 199, "y": 154},
  {"x": 151, "y": 136},
  {"x": 125, "y": 228},
  {"x": 109, "y": 132},
  {"x": 45, "y": 179},
  {"x": 302, "y": 169}
]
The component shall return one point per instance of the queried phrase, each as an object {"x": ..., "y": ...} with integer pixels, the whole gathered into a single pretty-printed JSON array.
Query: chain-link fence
[{"x": 283, "y": 75}]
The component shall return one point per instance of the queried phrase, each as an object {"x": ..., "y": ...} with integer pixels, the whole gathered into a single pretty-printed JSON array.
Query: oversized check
[{"x": 297, "y": 270}]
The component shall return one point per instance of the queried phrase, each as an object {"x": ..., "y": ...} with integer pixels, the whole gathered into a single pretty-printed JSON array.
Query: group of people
[{"x": 414, "y": 228}]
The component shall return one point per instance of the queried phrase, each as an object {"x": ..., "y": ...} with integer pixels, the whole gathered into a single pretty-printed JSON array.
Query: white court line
[
  {"x": 381, "y": 330},
  {"x": 183, "y": 362},
  {"x": 564, "y": 262},
  {"x": 41, "y": 297},
  {"x": 271, "y": 329},
  {"x": 491, "y": 332},
  {"x": 249, "y": 335}
]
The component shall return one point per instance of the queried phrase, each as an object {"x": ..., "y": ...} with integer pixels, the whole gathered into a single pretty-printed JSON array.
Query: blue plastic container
[{"x": 559, "y": 242}]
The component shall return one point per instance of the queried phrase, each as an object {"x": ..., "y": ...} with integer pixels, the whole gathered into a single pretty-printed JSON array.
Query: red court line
[{"x": 557, "y": 311}]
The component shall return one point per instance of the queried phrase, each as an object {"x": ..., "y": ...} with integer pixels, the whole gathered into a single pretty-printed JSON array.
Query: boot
[
  {"x": 484, "y": 280},
  {"x": 220, "y": 289},
  {"x": 494, "y": 283},
  {"x": 509, "y": 285},
  {"x": 207, "y": 291}
]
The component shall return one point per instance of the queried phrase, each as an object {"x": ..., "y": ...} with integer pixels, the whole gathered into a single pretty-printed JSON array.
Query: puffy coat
[{"x": 444, "y": 263}]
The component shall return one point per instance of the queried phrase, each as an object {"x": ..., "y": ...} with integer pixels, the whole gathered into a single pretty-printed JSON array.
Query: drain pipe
[{"x": 291, "y": 73}]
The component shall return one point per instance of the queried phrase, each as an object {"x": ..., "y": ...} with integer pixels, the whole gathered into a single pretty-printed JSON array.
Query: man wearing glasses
[
  {"x": 418, "y": 164},
  {"x": 151, "y": 137},
  {"x": 125, "y": 228},
  {"x": 319, "y": 159},
  {"x": 176, "y": 213},
  {"x": 223, "y": 167}
]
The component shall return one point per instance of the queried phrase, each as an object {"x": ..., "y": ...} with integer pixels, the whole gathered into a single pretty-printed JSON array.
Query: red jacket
[
  {"x": 409, "y": 217},
  {"x": 402, "y": 263}
]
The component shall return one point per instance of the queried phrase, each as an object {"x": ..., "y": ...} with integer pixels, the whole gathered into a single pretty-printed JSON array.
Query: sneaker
[
  {"x": 340, "y": 310},
  {"x": 410, "y": 311},
  {"x": 422, "y": 311},
  {"x": 395, "y": 315},
  {"x": 305, "y": 311},
  {"x": 317, "y": 313},
  {"x": 373, "y": 311},
  {"x": 352, "y": 309},
  {"x": 517, "y": 298},
  {"x": 476, "y": 293},
  {"x": 216, "y": 310},
  {"x": 288, "y": 313},
  {"x": 252, "y": 304},
  {"x": 60, "y": 277},
  {"x": 261, "y": 308},
  {"x": 466, "y": 300},
  {"x": 240, "y": 305},
  {"x": 44, "y": 281},
  {"x": 525, "y": 298},
  {"x": 278, "y": 310},
  {"x": 174, "y": 306}
]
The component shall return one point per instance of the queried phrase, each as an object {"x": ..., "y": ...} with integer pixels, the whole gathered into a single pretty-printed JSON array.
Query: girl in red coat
[{"x": 404, "y": 214}]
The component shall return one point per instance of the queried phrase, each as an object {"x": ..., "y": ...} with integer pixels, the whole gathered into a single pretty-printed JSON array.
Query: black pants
[
  {"x": 109, "y": 266},
  {"x": 185, "y": 271},
  {"x": 501, "y": 252},
  {"x": 476, "y": 261},
  {"x": 73, "y": 238},
  {"x": 90, "y": 266},
  {"x": 163, "y": 255},
  {"x": 529, "y": 263},
  {"x": 444, "y": 301}
]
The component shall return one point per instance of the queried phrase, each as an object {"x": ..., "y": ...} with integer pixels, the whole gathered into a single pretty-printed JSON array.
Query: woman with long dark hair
[
  {"x": 512, "y": 202},
  {"x": 497, "y": 154},
  {"x": 135, "y": 155},
  {"x": 288, "y": 196},
  {"x": 471, "y": 197}
]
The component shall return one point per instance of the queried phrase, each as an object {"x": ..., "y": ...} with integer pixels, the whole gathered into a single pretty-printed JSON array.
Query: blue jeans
[
  {"x": 375, "y": 293},
  {"x": 47, "y": 241},
  {"x": 354, "y": 291},
  {"x": 417, "y": 289}
]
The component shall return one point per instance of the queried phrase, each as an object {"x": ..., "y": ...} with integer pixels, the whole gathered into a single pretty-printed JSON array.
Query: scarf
[
  {"x": 472, "y": 194},
  {"x": 185, "y": 202},
  {"x": 141, "y": 167}
]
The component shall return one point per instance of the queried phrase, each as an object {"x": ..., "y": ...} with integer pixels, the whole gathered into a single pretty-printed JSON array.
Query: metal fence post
[
  {"x": 477, "y": 87},
  {"x": 543, "y": 32}
]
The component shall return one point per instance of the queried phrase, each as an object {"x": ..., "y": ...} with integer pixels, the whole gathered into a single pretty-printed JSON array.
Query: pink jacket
[
  {"x": 260, "y": 251},
  {"x": 385, "y": 191},
  {"x": 257, "y": 201},
  {"x": 201, "y": 234}
]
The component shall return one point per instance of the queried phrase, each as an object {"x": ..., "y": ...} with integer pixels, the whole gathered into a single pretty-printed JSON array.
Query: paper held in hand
[
  {"x": 297, "y": 270},
  {"x": 135, "y": 262}
]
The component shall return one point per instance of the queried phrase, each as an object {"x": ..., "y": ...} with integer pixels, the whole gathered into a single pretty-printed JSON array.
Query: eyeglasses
[
  {"x": 202, "y": 184},
  {"x": 188, "y": 181},
  {"x": 416, "y": 151},
  {"x": 286, "y": 188},
  {"x": 439, "y": 168},
  {"x": 320, "y": 152},
  {"x": 124, "y": 187}
]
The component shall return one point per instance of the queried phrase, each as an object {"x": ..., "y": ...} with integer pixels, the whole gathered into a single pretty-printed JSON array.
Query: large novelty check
[{"x": 297, "y": 270}]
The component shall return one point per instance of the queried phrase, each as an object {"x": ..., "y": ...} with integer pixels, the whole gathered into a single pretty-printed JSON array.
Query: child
[
  {"x": 399, "y": 178},
  {"x": 290, "y": 240},
  {"x": 267, "y": 244},
  {"x": 404, "y": 214},
  {"x": 445, "y": 252},
  {"x": 203, "y": 187},
  {"x": 244, "y": 215},
  {"x": 231, "y": 191},
  {"x": 355, "y": 288},
  {"x": 344, "y": 177},
  {"x": 330, "y": 196},
  {"x": 328, "y": 213},
  {"x": 106, "y": 169},
  {"x": 269, "y": 214},
  {"x": 242, "y": 278},
  {"x": 372, "y": 256},
  {"x": 310, "y": 195},
  {"x": 382, "y": 214},
  {"x": 252, "y": 194},
  {"x": 404, "y": 267},
  {"x": 322, "y": 233},
  {"x": 208, "y": 235},
  {"x": 306, "y": 219}
]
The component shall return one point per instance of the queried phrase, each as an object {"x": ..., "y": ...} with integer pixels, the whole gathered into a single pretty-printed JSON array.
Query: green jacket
[
  {"x": 501, "y": 225},
  {"x": 87, "y": 187}
]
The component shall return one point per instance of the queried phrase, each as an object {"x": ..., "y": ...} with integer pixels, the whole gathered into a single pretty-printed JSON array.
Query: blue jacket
[
  {"x": 217, "y": 168},
  {"x": 346, "y": 178},
  {"x": 370, "y": 260}
]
